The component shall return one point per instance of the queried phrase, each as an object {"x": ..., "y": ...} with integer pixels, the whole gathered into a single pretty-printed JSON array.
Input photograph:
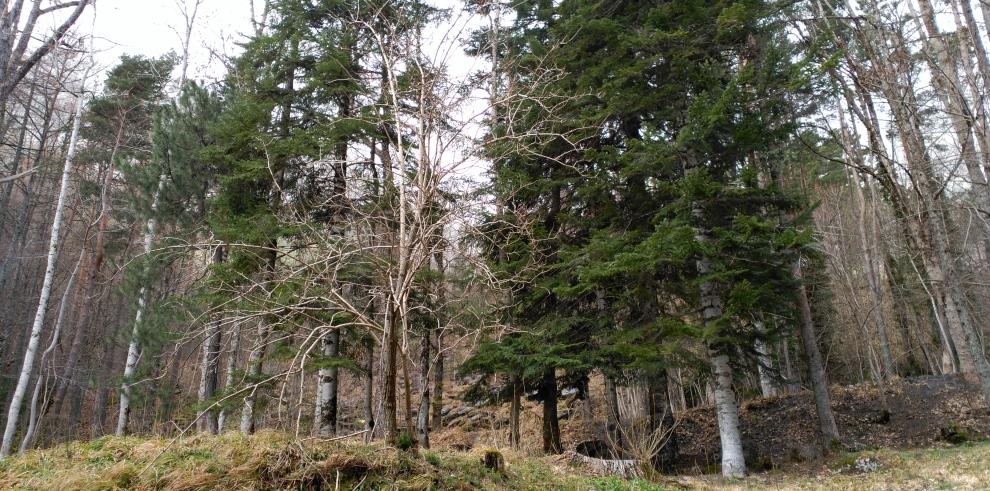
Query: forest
[{"x": 655, "y": 237}]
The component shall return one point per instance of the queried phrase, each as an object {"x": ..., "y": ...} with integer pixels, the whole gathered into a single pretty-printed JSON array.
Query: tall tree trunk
[
  {"x": 551, "y": 424},
  {"x": 873, "y": 279},
  {"x": 327, "y": 424},
  {"x": 407, "y": 393},
  {"x": 613, "y": 421},
  {"x": 816, "y": 369},
  {"x": 662, "y": 422},
  {"x": 424, "y": 389},
  {"x": 256, "y": 357},
  {"x": 30, "y": 434},
  {"x": 764, "y": 366},
  {"x": 389, "y": 363},
  {"x": 235, "y": 347},
  {"x": 134, "y": 348},
  {"x": 437, "y": 419},
  {"x": 46, "y": 289},
  {"x": 733, "y": 463},
  {"x": 209, "y": 368},
  {"x": 369, "y": 392},
  {"x": 515, "y": 407}
]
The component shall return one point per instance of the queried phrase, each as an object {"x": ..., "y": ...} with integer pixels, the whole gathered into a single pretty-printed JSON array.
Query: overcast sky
[{"x": 152, "y": 27}]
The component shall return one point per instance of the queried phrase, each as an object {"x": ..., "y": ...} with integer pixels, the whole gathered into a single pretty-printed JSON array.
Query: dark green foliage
[{"x": 677, "y": 118}]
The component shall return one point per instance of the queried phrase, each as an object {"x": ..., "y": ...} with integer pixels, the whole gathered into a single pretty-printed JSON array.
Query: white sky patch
[{"x": 155, "y": 27}]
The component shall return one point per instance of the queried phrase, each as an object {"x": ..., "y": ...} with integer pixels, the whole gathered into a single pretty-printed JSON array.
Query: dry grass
[
  {"x": 271, "y": 460},
  {"x": 962, "y": 467},
  {"x": 274, "y": 461}
]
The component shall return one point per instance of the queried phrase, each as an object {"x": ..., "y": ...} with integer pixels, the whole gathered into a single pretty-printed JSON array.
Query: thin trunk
[
  {"x": 327, "y": 422},
  {"x": 515, "y": 408},
  {"x": 437, "y": 419},
  {"x": 816, "y": 369},
  {"x": 662, "y": 423},
  {"x": 613, "y": 421},
  {"x": 256, "y": 357},
  {"x": 889, "y": 369},
  {"x": 764, "y": 366},
  {"x": 369, "y": 392},
  {"x": 209, "y": 368},
  {"x": 28, "y": 366},
  {"x": 134, "y": 347},
  {"x": 253, "y": 374},
  {"x": 551, "y": 424},
  {"x": 29, "y": 436},
  {"x": 424, "y": 390},
  {"x": 235, "y": 346},
  {"x": 407, "y": 392},
  {"x": 15, "y": 161},
  {"x": 389, "y": 369},
  {"x": 733, "y": 463}
]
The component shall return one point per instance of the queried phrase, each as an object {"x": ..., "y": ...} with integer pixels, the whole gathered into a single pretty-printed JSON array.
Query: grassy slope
[
  {"x": 274, "y": 461},
  {"x": 963, "y": 467}
]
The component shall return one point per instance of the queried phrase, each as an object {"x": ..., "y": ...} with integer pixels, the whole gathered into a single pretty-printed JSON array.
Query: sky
[{"x": 152, "y": 27}]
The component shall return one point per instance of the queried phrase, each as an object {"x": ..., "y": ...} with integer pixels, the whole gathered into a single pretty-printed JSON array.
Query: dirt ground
[{"x": 910, "y": 413}]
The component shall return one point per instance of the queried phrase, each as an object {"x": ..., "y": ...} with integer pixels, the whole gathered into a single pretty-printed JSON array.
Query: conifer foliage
[{"x": 387, "y": 207}]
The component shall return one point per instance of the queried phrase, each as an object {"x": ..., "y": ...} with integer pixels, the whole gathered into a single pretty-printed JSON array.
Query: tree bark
[
  {"x": 816, "y": 369},
  {"x": 424, "y": 390},
  {"x": 327, "y": 424},
  {"x": 30, "y": 434},
  {"x": 613, "y": 421},
  {"x": 389, "y": 371},
  {"x": 662, "y": 422},
  {"x": 764, "y": 366},
  {"x": 551, "y": 424},
  {"x": 369, "y": 392},
  {"x": 210, "y": 366},
  {"x": 727, "y": 411},
  {"x": 133, "y": 349},
  {"x": 28, "y": 366},
  {"x": 235, "y": 346},
  {"x": 438, "y": 369},
  {"x": 515, "y": 407}
]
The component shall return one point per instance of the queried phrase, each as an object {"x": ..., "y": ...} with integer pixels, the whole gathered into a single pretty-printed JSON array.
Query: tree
[{"x": 27, "y": 368}]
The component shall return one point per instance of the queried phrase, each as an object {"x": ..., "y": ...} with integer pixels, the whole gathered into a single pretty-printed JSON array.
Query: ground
[
  {"x": 921, "y": 433},
  {"x": 963, "y": 467},
  {"x": 275, "y": 461},
  {"x": 919, "y": 412}
]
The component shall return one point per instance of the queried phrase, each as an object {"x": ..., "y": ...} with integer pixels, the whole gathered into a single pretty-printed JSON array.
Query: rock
[{"x": 864, "y": 465}]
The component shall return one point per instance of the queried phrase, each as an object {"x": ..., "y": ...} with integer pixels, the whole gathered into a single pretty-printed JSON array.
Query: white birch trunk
[
  {"x": 133, "y": 349},
  {"x": 733, "y": 463},
  {"x": 726, "y": 409},
  {"x": 326, "y": 396},
  {"x": 27, "y": 368},
  {"x": 29, "y": 436},
  {"x": 764, "y": 367},
  {"x": 254, "y": 371},
  {"x": 235, "y": 344}
]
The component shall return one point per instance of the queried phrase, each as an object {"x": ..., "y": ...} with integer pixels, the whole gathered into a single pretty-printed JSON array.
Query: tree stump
[{"x": 492, "y": 459}]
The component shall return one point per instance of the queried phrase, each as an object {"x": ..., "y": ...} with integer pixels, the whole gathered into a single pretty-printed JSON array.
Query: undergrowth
[{"x": 270, "y": 460}]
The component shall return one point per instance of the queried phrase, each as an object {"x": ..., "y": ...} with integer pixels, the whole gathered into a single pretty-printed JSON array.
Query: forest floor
[
  {"x": 270, "y": 460},
  {"x": 919, "y": 433}
]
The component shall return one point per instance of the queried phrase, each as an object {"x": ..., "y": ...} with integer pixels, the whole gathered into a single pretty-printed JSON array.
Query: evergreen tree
[{"x": 652, "y": 208}]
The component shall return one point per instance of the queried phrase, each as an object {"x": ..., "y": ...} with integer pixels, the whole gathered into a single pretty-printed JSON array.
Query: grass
[
  {"x": 965, "y": 466},
  {"x": 271, "y": 460}
]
